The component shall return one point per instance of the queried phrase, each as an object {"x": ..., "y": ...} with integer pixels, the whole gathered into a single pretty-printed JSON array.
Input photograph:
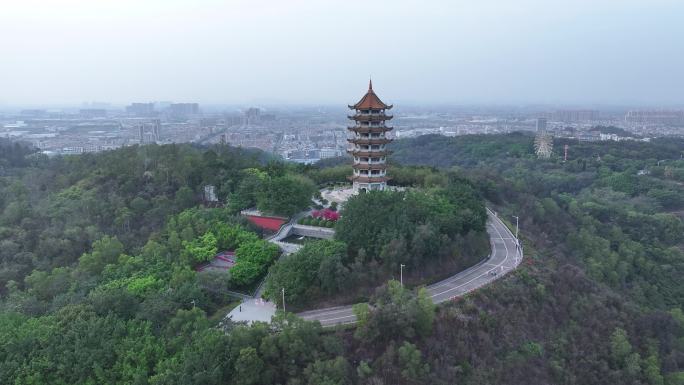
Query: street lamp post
[
  {"x": 401, "y": 274},
  {"x": 283, "y": 300},
  {"x": 517, "y": 220}
]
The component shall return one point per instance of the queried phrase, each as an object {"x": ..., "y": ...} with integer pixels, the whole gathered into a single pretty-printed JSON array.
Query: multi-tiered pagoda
[{"x": 368, "y": 142}]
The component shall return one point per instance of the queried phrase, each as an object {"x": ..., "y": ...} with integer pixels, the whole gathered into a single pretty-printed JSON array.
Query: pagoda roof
[{"x": 370, "y": 101}]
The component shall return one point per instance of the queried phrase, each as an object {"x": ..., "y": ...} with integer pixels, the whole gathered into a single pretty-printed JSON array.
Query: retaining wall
[{"x": 313, "y": 231}]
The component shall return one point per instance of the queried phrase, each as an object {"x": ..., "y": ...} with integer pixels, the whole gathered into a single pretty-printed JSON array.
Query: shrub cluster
[
  {"x": 254, "y": 255},
  {"x": 319, "y": 222},
  {"x": 253, "y": 259}
]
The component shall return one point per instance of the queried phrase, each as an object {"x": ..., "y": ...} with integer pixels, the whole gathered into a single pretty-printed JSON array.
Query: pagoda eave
[
  {"x": 361, "y": 166},
  {"x": 369, "y": 141},
  {"x": 369, "y": 179},
  {"x": 370, "y": 153},
  {"x": 370, "y": 129},
  {"x": 358, "y": 107}
]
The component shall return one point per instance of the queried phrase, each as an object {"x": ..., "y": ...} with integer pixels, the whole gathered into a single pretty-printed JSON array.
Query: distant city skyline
[{"x": 551, "y": 52}]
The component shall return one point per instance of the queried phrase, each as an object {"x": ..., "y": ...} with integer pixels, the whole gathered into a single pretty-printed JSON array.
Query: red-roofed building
[{"x": 267, "y": 223}]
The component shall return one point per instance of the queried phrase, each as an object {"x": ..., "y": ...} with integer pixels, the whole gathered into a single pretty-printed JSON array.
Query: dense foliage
[
  {"x": 394, "y": 312},
  {"x": 52, "y": 210},
  {"x": 126, "y": 307},
  {"x": 78, "y": 346},
  {"x": 315, "y": 270},
  {"x": 204, "y": 232},
  {"x": 273, "y": 191},
  {"x": 375, "y": 224}
]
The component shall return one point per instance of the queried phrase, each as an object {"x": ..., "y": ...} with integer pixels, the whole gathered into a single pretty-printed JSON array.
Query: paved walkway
[
  {"x": 339, "y": 195},
  {"x": 253, "y": 309}
]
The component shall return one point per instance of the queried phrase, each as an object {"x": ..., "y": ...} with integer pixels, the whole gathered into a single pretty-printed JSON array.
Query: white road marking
[
  {"x": 324, "y": 312},
  {"x": 333, "y": 319},
  {"x": 479, "y": 276}
]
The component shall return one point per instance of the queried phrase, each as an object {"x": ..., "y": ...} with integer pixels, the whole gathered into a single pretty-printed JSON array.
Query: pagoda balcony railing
[
  {"x": 366, "y": 153},
  {"x": 370, "y": 117},
  {"x": 366, "y": 179},
  {"x": 369, "y": 141},
  {"x": 364, "y": 163},
  {"x": 370, "y": 129},
  {"x": 366, "y": 147},
  {"x": 367, "y": 166}
]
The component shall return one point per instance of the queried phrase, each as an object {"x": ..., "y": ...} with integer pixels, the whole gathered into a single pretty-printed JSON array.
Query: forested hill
[
  {"x": 470, "y": 150},
  {"x": 53, "y": 209},
  {"x": 98, "y": 282},
  {"x": 615, "y": 207},
  {"x": 14, "y": 154},
  {"x": 609, "y": 219}
]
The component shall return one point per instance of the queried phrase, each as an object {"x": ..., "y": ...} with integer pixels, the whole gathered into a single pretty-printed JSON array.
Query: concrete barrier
[{"x": 313, "y": 231}]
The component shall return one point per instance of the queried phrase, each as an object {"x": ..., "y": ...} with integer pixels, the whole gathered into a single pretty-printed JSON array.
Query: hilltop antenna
[{"x": 565, "y": 157}]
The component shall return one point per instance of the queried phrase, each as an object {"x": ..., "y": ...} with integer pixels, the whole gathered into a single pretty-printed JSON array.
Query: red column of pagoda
[{"x": 368, "y": 141}]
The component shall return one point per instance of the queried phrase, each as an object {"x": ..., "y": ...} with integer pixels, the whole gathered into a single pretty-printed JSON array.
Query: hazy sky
[{"x": 323, "y": 51}]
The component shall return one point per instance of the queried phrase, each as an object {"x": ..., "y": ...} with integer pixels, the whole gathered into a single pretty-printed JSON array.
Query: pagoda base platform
[{"x": 359, "y": 186}]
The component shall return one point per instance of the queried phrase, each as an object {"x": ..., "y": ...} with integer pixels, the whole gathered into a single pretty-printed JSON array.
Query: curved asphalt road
[{"x": 505, "y": 257}]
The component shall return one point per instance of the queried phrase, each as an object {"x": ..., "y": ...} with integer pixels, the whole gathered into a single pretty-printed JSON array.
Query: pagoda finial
[{"x": 370, "y": 84}]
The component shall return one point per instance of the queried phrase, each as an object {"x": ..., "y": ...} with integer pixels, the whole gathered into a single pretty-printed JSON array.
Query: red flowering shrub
[
  {"x": 331, "y": 215},
  {"x": 321, "y": 216}
]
